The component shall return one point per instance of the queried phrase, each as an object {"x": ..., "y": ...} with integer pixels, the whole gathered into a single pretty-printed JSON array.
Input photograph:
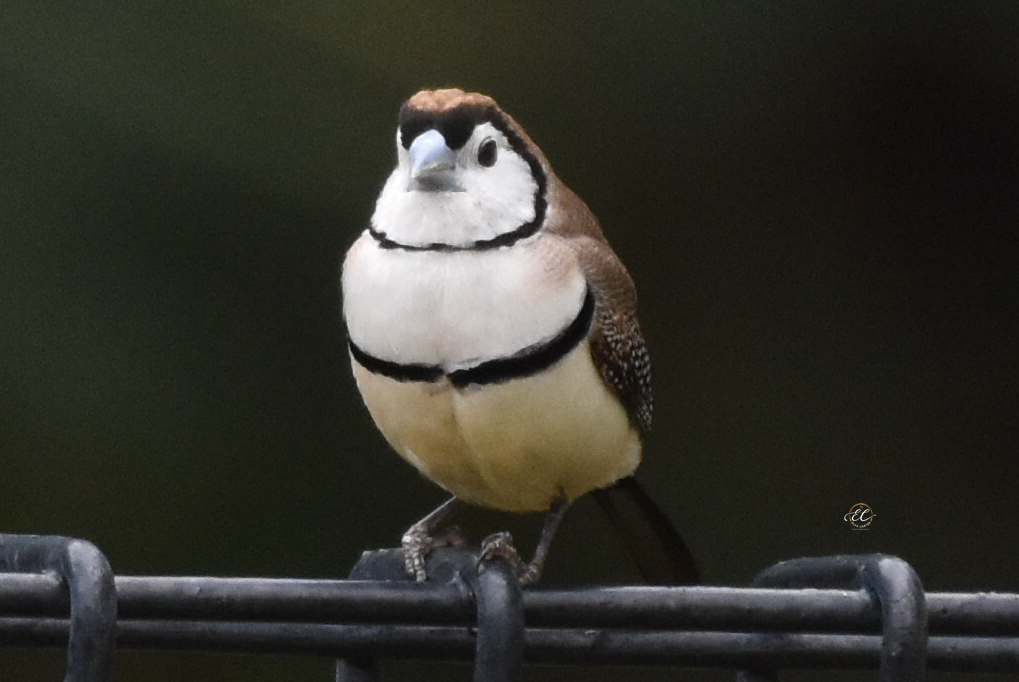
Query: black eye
[{"x": 487, "y": 153}]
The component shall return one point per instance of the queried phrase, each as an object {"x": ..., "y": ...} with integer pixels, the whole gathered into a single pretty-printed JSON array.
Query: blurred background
[{"x": 817, "y": 200}]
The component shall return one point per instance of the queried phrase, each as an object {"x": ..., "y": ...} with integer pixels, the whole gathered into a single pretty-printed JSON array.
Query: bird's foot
[
  {"x": 417, "y": 542},
  {"x": 501, "y": 545},
  {"x": 420, "y": 538}
]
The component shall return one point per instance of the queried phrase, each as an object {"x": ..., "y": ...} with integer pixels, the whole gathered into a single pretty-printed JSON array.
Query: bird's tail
[{"x": 653, "y": 542}]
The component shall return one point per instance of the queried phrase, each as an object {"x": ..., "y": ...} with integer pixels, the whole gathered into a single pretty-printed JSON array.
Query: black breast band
[{"x": 524, "y": 363}]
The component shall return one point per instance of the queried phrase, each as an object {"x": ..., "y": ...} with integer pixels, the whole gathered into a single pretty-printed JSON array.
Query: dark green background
[{"x": 817, "y": 200}]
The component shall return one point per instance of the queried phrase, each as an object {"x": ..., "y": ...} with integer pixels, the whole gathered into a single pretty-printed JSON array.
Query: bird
[{"x": 493, "y": 336}]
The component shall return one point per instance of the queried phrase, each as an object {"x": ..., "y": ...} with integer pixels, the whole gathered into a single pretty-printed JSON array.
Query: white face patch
[{"x": 495, "y": 199}]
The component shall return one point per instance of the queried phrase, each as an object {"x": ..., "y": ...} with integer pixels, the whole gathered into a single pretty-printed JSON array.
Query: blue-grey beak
[{"x": 432, "y": 164}]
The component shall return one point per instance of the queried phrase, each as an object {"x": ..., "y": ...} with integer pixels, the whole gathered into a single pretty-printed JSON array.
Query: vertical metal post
[
  {"x": 903, "y": 618},
  {"x": 894, "y": 586},
  {"x": 93, "y": 596},
  {"x": 499, "y": 647},
  {"x": 499, "y": 652}
]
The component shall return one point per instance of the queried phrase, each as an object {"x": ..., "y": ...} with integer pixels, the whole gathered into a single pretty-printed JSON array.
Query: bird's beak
[{"x": 433, "y": 164}]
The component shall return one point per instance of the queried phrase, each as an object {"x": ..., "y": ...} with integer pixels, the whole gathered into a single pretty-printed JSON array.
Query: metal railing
[{"x": 844, "y": 612}]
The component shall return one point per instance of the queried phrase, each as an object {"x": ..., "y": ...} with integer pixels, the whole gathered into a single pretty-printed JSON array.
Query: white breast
[
  {"x": 515, "y": 445},
  {"x": 456, "y": 309}
]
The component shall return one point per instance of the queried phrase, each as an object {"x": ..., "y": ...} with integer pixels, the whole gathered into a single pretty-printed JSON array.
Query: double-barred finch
[{"x": 493, "y": 335}]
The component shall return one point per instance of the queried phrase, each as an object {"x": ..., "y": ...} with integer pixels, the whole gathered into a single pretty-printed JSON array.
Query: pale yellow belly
[{"x": 514, "y": 446}]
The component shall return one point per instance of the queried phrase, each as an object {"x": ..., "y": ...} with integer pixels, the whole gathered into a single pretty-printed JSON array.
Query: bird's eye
[{"x": 487, "y": 153}]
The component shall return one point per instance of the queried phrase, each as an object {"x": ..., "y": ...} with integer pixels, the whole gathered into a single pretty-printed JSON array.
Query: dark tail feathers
[{"x": 654, "y": 544}]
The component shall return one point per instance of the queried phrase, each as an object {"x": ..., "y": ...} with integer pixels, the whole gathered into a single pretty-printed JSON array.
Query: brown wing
[{"x": 617, "y": 344}]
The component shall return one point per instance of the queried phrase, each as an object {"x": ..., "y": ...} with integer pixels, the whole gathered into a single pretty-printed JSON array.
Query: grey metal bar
[
  {"x": 273, "y": 599},
  {"x": 541, "y": 645}
]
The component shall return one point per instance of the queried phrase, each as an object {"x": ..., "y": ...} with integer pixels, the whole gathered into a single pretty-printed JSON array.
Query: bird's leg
[
  {"x": 419, "y": 540},
  {"x": 501, "y": 544},
  {"x": 555, "y": 515}
]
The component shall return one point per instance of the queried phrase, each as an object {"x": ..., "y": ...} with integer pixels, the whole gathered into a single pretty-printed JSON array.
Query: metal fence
[{"x": 842, "y": 612}]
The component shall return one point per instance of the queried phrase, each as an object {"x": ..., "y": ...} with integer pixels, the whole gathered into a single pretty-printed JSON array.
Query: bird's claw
[
  {"x": 417, "y": 543},
  {"x": 501, "y": 545}
]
